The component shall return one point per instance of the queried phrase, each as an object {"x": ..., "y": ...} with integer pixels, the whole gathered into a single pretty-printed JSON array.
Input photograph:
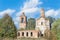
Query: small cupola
[{"x": 42, "y": 12}]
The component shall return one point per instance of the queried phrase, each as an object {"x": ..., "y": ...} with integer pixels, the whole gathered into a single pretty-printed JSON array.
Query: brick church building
[{"x": 42, "y": 24}]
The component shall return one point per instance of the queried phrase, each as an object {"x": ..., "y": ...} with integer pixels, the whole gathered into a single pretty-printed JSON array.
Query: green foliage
[
  {"x": 31, "y": 24},
  {"x": 7, "y": 27},
  {"x": 56, "y": 28},
  {"x": 51, "y": 19},
  {"x": 21, "y": 29}
]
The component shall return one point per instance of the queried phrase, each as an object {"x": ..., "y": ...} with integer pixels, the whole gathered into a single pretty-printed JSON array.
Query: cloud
[
  {"x": 30, "y": 8},
  {"x": 31, "y": 4},
  {"x": 29, "y": 11},
  {"x": 52, "y": 12},
  {"x": 16, "y": 20},
  {"x": 7, "y": 11}
]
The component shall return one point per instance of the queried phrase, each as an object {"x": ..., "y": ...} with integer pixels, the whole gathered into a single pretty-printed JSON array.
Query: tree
[
  {"x": 8, "y": 27},
  {"x": 51, "y": 19},
  {"x": 31, "y": 24},
  {"x": 56, "y": 28}
]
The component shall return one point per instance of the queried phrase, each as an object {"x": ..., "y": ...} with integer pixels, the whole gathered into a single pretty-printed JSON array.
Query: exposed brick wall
[{"x": 34, "y": 33}]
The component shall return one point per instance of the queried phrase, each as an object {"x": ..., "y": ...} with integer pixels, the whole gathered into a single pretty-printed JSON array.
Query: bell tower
[
  {"x": 23, "y": 21},
  {"x": 42, "y": 13}
]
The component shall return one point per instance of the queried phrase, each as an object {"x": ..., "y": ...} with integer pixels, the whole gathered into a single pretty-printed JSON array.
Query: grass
[
  {"x": 32, "y": 39},
  {"x": 23, "y": 39}
]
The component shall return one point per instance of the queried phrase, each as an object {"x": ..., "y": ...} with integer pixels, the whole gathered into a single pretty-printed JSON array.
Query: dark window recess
[
  {"x": 22, "y": 33},
  {"x": 18, "y": 34},
  {"x": 22, "y": 20},
  {"x": 31, "y": 34},
  {"x": 42, "y": 35},
  {"x": 41, "y": 23},
  {"x": 38, "y": 34},
  {"x": 27, "y": 34}
]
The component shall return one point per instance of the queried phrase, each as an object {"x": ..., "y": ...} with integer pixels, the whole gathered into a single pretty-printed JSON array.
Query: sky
[{"x": 31, "y": 8}]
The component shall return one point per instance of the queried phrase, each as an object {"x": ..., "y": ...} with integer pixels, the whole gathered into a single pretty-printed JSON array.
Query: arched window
[
  {"x": 27, "y": 34},
  {"x": 41, "y": 34},
  {"x": 22, "y": 33},
  {"x": 38, "y": 34},
  {"x": 31, "y": 34},
  {"x": 18, "y": 34},
  {"x": 41, "y": 23},
  {"x": 22, "y": 20}
]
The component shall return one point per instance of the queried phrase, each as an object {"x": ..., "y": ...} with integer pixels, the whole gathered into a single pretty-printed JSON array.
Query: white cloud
[
  {"x": 52, "y": 12},
  {"x": 16, "y": 20},
  {"x": 29, "y": 8},
  {"x": 31, "y": 4},
  {"x": 7, "y": 11},
  {"x": 28, "y": 11}
]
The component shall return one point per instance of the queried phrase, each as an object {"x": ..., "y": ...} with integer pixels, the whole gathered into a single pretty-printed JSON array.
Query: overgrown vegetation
[
  {"x": 56, "y": 28},
  {"x": 7, "y": 27},
  {"x": 31, "y": 24},
  {"x": 51, "y": 19}
]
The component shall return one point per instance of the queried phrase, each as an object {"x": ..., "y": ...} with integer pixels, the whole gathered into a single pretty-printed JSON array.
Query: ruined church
[{"x": 42, "y": 24}]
